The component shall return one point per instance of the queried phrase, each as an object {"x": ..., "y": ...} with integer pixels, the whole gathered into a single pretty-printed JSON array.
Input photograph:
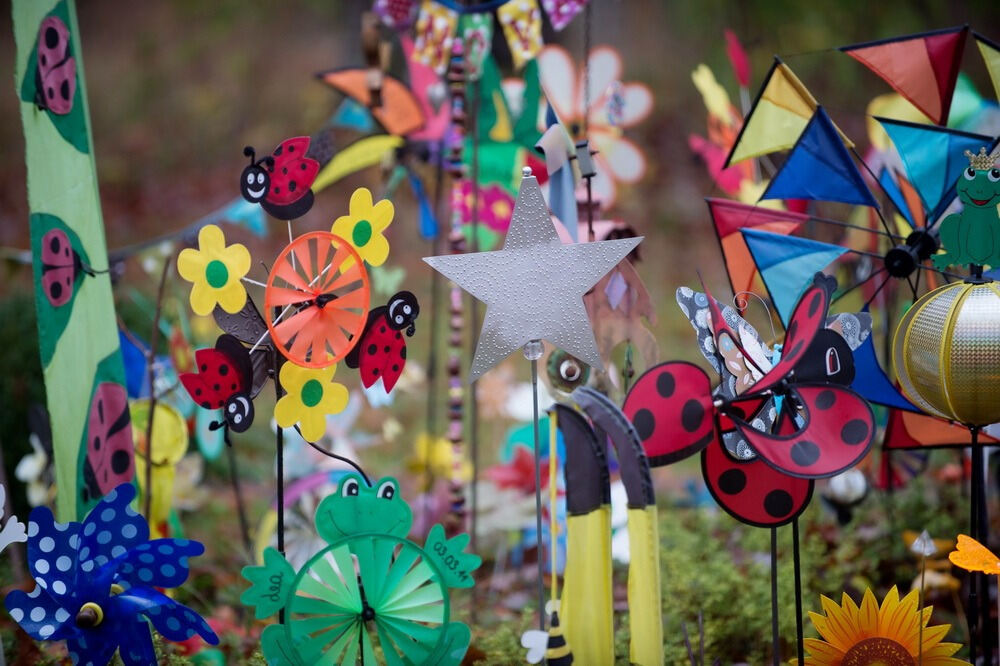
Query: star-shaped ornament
[{"x": 533, "y": 288}]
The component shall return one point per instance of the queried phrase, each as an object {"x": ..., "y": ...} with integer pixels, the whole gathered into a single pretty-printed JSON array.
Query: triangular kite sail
[
  {"x": 871, "y": 382},
  {"x": 908, "y": 430},
  {"x": 787, "y": 265},
  {"x": 890, "y": 186},
  {"x": 934, "y": 158},
  {"x": 819, "y": 168},
  {"x": 729, "y": 217},
  {"x": 990, "y": 51},
  {"x": 922, "y": 68},
  {"x": 779, "y": 114}
]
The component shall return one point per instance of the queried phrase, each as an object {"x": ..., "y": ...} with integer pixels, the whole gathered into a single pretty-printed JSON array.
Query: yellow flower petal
[
  {"x": 821, "y": 652},
  {"x": 361, "y": 202},
  {"x": 376, "y": 251},
  {"x": 237, "y": 260},
  {"x": 202, "y": 298},
  {"x": 191, "y": 265},
  {"x": 211, "y": 239},
  {"x": 293, "y": 377},
  {"x": 288, "y": 410},
  {"x": 232, "y": 297},
  {"x": 335, "y": 397},
  {"x": 343, "y": 226},
  {"x": 381, "y": 215},
  {"x": 312, "y": 424}
]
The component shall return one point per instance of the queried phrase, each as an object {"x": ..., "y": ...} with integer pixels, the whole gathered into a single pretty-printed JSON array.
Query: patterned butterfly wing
[
  {"x": 292, "y": 173},
  {"x": 671, "y": 409},
  {"x": 752, "y": 492},
  {"x": 381, "y": 353},
  {"x": 974, "y": 556},
  {"x": 836, "y": 431},
  {"x": 59, "y": 267},
  {"x": 56, "y": 67}
]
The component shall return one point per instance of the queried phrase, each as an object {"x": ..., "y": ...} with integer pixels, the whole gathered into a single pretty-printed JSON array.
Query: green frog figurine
[
  {"x": 371, "y": 596},
  {"x": 973, "y": 236}
]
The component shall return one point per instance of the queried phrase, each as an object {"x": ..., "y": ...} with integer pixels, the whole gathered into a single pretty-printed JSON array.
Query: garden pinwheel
[{"x": 96, "y": 584}]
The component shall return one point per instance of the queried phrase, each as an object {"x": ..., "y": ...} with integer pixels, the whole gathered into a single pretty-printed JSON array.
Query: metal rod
[
  {"x": 150, "y": 358},
  {"x": 799, "y": 642},
  {"x": 241, "y": 510},
  {"x": 538, "y": 495},
  {"x": 775, "y": 658}
]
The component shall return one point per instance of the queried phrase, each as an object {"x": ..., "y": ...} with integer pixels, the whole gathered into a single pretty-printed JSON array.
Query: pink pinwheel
[
  {"x": 495, "y": 205},
  {"x": 613, "y": 107}
]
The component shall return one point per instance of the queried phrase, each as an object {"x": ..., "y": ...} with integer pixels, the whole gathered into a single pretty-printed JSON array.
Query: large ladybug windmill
[{"x": 820, "y": 428}]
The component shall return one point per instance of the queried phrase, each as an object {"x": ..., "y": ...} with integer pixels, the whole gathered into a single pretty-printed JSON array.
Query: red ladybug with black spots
[
  {"x": 381, "y": 349},
  {"x": 224, "y": 381},
  {"x": 281, "y": 182}
]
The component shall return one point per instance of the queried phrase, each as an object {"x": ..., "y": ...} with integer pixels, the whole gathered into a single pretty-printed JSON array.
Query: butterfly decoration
[
  {"x": 281, "y": 182},
  {"x": 741, "y": 364},
  {"x": 61, "y": 267},
  {"x": 821, "y": 429},
  {"x": 971, "y": 555},
  {"x": 99, "y": 581},
  {"x": 55, "y": 76},
  {"x": 224, "y": 380},
  {"x": 381, "y": 350}
]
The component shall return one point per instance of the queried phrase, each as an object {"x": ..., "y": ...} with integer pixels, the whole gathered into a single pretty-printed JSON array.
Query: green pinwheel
[{"x": 369, "y": 592}]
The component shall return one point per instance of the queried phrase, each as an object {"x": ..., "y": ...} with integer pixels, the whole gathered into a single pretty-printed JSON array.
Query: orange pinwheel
[
  {"x": 974, "y": 556},
  {"x": 317, "y": 299}
]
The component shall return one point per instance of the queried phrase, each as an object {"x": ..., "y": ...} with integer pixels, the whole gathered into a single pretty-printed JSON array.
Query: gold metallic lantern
[{"x": 947, "y": 353}]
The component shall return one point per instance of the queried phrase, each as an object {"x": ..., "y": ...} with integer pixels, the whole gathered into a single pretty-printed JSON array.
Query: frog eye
[
  {"x": 351, "y": 488},
  {"x": 993, "y": 175},
  {"x": 387, "y": 490},
  {"x": 970, "y": 173}
]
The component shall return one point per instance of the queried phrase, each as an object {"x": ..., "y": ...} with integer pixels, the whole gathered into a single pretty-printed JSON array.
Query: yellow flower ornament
[
  {"x": 215, "y": 271},
  {"x": 364, "y": 226},
  {"x": 310, "y": 396},
  {"x": 894, "y": 634}
]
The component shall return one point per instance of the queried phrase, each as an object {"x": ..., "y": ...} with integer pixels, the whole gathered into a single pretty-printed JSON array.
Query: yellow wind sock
[
  {"x": 645, "y": 610},
  {"x": 587, "y": 597}
]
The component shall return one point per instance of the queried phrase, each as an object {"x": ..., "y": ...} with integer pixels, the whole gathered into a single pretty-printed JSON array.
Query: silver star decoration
[{"x": 533, "y": 288}]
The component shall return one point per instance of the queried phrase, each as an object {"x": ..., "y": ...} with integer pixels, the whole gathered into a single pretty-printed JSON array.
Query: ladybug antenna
[{"x": 248, "y": 151}]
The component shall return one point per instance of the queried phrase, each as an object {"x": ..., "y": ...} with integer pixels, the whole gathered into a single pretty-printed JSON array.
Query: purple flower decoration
[{"x": 96, "y": 580}]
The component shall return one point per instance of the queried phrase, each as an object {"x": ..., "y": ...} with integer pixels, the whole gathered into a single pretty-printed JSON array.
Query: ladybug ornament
[
  {"x": 224, "y": 381},
  {"x": 281, "y": 182},
  {"x": 55, "y": 75},
  {"x": 61, "y": 266},
  {"x": 381, "y": 350}
]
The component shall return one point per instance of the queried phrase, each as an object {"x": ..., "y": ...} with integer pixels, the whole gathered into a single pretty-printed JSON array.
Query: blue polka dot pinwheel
[{"x": 96, "y": 584}]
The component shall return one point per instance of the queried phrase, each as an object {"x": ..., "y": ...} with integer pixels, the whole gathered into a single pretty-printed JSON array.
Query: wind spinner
[{"x": 368, "y": 586}]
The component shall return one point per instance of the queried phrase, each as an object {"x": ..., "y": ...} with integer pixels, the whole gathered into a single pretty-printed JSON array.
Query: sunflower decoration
[
  {"x": 364, "y": 227},
  {"x": 310, "y": 395},
  {"x": 893, "y": 634},
  {"x": 215, "y": 271}
]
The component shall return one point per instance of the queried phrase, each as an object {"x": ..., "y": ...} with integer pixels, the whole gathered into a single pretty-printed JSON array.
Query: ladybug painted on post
[
  {"x": 281, "y": 182},
  {"x": 223, "y": 381},
  {"x": 109, "y": 442},
  {"x": 55, "y": 73},
  {"x": 61, "y": 266},
  {"x": 381, "y": 350}
]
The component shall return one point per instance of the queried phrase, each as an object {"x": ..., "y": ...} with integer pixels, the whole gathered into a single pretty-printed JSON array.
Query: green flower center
[
  {"x": 217, "y": 274},
  {"x": 312, "y": 393},
  {"x": 362, "y": 233}
]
